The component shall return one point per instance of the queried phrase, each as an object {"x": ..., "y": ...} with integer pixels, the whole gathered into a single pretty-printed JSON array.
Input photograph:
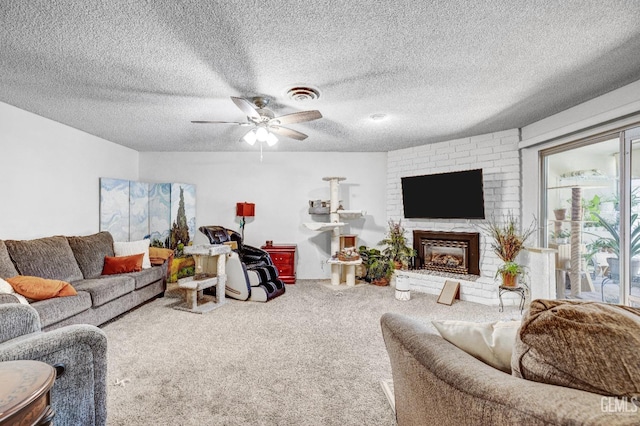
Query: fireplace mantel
[{"x": 472, "y": 240}]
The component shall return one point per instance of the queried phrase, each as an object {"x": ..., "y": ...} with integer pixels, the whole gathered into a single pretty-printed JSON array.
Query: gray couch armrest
[
  {"x": 79, "y": 394},
  {"x": 8, "y": 298},
  {"x": 17, "y": 319},
  {"x": 437, "y": 383}
]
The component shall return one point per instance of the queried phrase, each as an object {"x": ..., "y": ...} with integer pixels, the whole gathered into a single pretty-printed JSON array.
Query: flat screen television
[{"x": 455, "y": 195}]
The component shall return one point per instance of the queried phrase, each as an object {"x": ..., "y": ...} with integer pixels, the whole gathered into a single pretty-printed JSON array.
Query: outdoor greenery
[{"x": 611, "y": 243}]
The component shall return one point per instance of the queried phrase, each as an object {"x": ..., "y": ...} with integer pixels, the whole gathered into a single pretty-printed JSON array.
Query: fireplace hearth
[{"x": 452, "y": 252}]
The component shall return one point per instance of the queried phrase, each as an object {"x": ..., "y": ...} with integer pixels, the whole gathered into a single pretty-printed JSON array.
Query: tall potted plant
[
  {"x": 396, "y": 247},
  {"x": 611, "y": 243},
  {"x": 508, "y": 242}
]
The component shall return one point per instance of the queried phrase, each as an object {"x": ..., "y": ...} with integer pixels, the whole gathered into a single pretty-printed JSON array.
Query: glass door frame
[
  {"x": 624, "y": 194},
  {"x": 626, "y": 163}
]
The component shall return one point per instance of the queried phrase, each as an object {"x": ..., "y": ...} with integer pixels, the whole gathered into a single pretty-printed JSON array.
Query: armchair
[
  {"x": 251, "y": 274},
  {"x": 79, "y": 354}
]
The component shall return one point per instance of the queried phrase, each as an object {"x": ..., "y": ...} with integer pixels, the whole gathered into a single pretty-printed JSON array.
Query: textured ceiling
[{"x": 137, "y": 72}]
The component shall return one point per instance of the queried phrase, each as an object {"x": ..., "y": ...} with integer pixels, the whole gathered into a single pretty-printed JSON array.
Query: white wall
[
  {"x": 595, "y": 112},
  {"x": 498, "y": 156},
  {"x": 49, "y": 180},
  {"x": 610, "y": 111},
  {"x": 281, "y": 187}
]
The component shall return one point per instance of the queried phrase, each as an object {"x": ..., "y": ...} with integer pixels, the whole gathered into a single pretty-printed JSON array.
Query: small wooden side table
[{"x": 25, "y": 393}]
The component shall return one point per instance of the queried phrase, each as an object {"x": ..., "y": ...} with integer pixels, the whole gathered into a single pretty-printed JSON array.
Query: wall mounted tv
[{"x": 455, "y": 195}]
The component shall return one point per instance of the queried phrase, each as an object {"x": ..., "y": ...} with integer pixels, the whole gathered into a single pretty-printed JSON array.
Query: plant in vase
[
  {"x": 508, "y": 242},
  {"x": 396, "y": 247},
  {"x": 611, "y": 244},
  {"x": 379, "y": 267}
]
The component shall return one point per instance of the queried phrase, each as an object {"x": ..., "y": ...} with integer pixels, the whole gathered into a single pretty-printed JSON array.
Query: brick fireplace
[{"x": 452, "y": 252}]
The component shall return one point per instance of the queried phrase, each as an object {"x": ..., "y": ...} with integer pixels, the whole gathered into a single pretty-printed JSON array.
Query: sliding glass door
[
  {"x": 630, "y": 229},
  {"x": 590, "y": 215}
]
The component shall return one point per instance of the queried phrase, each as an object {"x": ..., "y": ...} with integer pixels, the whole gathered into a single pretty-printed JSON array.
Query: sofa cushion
[
  {"x": 36, "y": 288},
  {"x": 127, "y": 248},
  {"x": 584, "y": 345},
  {"x": 490, "y": 342},
  {"x": 146, "y": 276},
  {"x": 122, "y": 264},
  {"x": 57, "y": 309},
  {"x": 7, "y": 269},
  {"x": 106, "y": 288},
  {"x": 49, "y": 257},
  {"x": 90, "y": 252}
]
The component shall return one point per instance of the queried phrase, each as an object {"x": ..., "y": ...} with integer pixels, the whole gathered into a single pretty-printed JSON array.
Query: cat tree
[{"x": 336, "y": 216}]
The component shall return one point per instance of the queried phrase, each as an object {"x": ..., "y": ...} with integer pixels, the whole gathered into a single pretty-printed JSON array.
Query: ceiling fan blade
[
  {"x": 290, "y": 133},
  {"x": 246, "y": 107},
  {"x": 296, "y": 117},
  {"x": 220, "y": 122}
]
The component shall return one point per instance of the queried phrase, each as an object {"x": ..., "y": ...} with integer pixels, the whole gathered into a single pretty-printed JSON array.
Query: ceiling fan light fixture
[
  {"x": 271, "y": 139},
  {"x": 262, "y": 134},
  {"x": 250, "y": 137}
]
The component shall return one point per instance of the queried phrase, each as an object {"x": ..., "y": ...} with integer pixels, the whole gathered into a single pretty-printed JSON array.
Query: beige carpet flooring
[{"x": 314, "y": 356}]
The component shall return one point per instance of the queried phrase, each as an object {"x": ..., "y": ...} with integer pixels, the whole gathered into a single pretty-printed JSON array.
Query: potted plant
[
  {"x": 379, "y": 267},
  {"x": 612, "y": 243},
  {"x": 508, "y": 242},
  {"x": 396, "y": 247}
]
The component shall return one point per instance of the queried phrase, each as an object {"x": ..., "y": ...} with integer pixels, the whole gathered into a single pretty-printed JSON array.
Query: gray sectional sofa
[{"x": 79, "y": 260}]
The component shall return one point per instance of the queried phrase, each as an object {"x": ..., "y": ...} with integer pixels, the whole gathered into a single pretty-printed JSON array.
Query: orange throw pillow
[
  {"x": 122, "y": 264},
  {"x": 37, "y": 288}
]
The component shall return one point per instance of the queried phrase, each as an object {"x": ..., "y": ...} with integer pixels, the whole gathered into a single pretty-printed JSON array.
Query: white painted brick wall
[{"x": 498, "y": 156}]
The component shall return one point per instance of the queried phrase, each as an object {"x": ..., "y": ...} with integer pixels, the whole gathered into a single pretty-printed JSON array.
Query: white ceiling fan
[{"x": 267, "y": 125}]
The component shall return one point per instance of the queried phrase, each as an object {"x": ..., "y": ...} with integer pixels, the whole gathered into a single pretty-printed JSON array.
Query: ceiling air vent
[{"x": 303, "y": 93}]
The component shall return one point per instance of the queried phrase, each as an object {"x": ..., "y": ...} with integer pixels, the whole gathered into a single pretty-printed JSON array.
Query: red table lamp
[{"x": 245, "y": 210}]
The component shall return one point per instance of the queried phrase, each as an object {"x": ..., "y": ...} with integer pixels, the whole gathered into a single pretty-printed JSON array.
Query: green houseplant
[
  {"x": 379, "y": 267},
  {"x": 396, "y": 247},
  {"x": 611, "y": 243},
  {"x": 508, "y": 242}
]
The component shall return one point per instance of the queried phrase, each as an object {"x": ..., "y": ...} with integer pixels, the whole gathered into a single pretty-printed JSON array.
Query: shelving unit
[{"x": 336, "y": 216}]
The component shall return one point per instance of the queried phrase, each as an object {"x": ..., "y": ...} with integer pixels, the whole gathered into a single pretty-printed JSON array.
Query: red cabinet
[{"x": 284, "y": 257}]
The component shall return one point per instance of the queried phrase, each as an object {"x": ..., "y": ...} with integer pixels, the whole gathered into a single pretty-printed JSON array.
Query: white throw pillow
[
  {"x": 490, "y": 342},
  {"x": 6, "y": 288},
  {"x": 127, "y": 248}
]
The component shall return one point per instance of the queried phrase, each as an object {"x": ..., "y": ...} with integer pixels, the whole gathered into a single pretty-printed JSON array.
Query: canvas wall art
[
  {"x": 114, "y": 208},
  {"x": 138, "y": 210}
]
